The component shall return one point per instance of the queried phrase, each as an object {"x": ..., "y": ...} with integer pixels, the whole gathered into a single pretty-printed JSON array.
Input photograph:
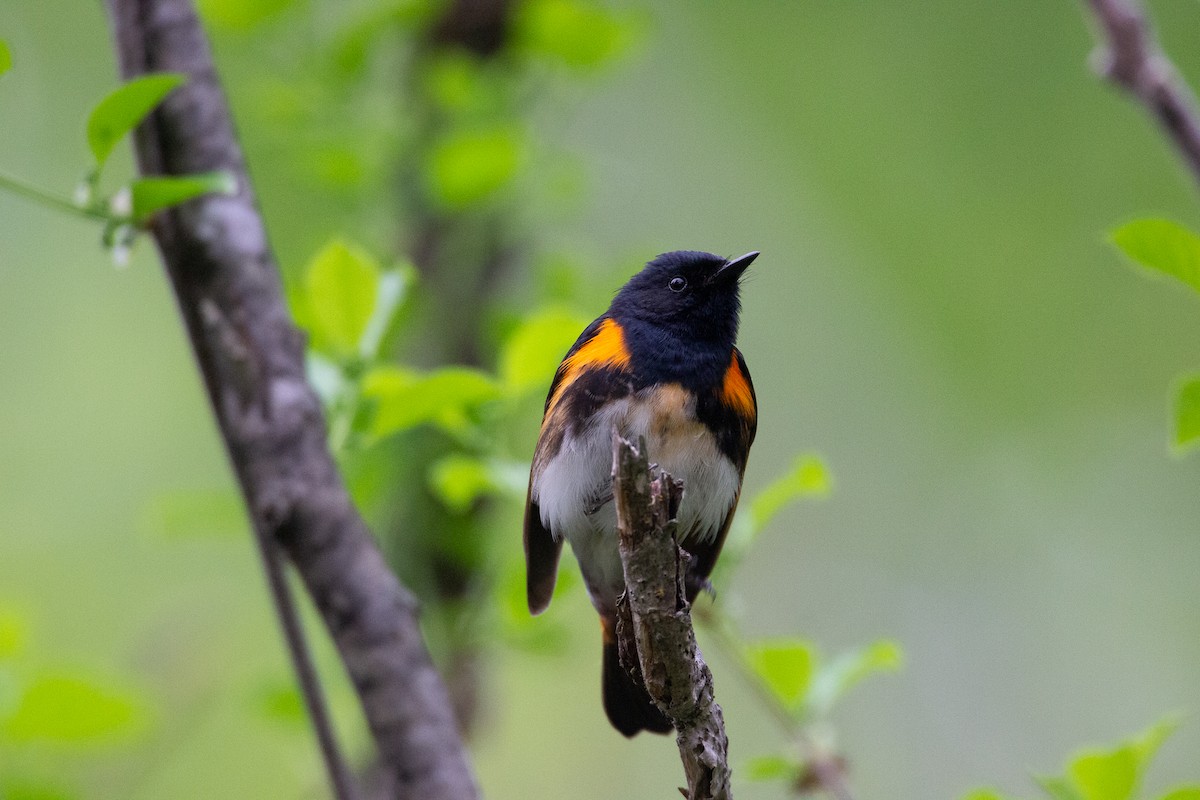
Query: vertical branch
[
  {"x": 1133, "y": 59},
  {"x": 674, "y": 672},
  {"x": 251, "y": 356}
]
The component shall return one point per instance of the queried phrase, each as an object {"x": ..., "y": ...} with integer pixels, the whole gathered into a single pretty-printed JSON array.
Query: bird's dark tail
[{"x": 629, "y": 707}]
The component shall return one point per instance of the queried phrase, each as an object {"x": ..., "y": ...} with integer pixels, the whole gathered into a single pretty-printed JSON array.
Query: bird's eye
[{"x": 678, "y": 284}]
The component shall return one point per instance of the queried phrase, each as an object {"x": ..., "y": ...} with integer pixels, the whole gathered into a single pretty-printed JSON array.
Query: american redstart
[{"x": 660, "y": 364}]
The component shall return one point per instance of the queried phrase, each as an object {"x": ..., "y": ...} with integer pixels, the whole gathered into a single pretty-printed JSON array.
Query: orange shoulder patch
[
  {"x": 735, "y": 389},
  {"x": 605, "y": 349}
]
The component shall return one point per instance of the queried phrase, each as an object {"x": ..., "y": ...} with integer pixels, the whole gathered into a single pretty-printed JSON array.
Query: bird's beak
[{"x": 734, "y": 267}]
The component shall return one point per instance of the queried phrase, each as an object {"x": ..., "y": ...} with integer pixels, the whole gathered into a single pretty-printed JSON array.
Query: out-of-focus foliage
[
  {"x": 1114, "y": 773},
  {"x": 1170, "y": 249},
  {"x": 52, "y": 713},
  {"x": 119, "y": 112},
  {"x": 928, "y": 314}
]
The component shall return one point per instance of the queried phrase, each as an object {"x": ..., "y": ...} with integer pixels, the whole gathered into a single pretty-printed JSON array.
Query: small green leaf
[
  {"x": 72, "y": 710},
  {"x": 445, "y": 397},
  {"x": 578, "y": 34},
  {"x": 342, "y": 284},
  {"x": 5, "y": 57},
  {"x": 786, "y": 666},
  {"x": 532, "y": 353},
  {"x": 242, "y": 15},
  {"x": 468, "y": 166},
  {"x": 1105, "y": 775},
  {"x": 832, "y": 682},
  {"x": 1183, "y": 793},
  {"x": 281, "y": 702},
  {"x": 772, "y": 768},
  {"x": 121, "y": 111},
  {"x": 808, "y": 477},
  {"x": 12, "y": 633},
  {"x": 983, "y": 794},
  {"x": 1145, "y": 745},
  {"x": 1187, "y": 412},
  {"x": 1058, "y": 788},
  {"x": 1162, "y": 245},
  {"x": 460, "y": 480},
  {"x": 153, "y": 194}
]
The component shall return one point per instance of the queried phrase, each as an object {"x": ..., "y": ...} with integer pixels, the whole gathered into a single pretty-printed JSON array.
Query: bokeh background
[{"x": 936, "y": 312}]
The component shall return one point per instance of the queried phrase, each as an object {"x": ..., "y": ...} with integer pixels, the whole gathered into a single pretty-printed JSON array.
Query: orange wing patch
[
  {"x": 605, "y": 349},
  {"x": 735, "y": 390}
]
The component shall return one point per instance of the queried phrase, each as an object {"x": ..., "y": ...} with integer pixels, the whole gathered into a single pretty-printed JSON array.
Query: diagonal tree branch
[
  {"x": 1133, "y": 59},
  {"x": 227, "y": 285},
  {"x": 659, "y": 624}
]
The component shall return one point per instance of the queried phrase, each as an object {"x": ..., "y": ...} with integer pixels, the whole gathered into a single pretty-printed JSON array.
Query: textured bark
[
  {"x": 251, "y": 355},
  {"x": 1133, "y": 60},
  {"x": 658, "y": 623}
]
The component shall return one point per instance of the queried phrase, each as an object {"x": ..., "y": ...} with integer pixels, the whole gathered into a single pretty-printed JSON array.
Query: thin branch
[
  {"x": 340, "y": 776},
  {"x": 673, "y": 670},
  {"x": 1133, "y": 59},
  {"x": 31, "y": 192},
  {"x": 251, "y": 356},
  {"x": 825, "y": 771}
]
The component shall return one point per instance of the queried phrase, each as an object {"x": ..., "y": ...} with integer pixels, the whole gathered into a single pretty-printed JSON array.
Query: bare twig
[
  {"x": 1133, "y": 59},
  {"x": 227, "y": 285},
  {"x": 674, "y": 672}
]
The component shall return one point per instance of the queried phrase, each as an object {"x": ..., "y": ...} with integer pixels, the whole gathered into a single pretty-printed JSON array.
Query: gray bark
[{"x": 251, "y": 355}]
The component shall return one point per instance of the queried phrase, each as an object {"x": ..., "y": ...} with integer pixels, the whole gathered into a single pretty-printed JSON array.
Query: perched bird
[{"x": 659, "y": 363}]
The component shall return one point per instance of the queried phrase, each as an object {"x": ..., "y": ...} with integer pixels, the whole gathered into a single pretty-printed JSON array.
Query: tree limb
[
  {"x": 1133, "y": 59},
  {"x": 660, "y": 632},
  {"x": 227, "y": 285}
]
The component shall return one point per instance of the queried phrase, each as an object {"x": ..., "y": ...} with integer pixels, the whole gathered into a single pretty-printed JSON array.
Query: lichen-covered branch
[
  {"x": 251, "y": 355},
  {"x": 658, "y": 627},
  {"x": 1133, "y": 59}
]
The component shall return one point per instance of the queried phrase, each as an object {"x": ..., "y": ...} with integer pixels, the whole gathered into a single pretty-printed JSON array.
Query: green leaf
[
  {"x": 1187, "y": 412},
  {"x": 342, "y": 283},
  {"x": 532, "y": 353},
  {"x": 460, "y": 480},
  {"x": 121, "y": 111},
  {"x": 772, "y": 768},
  {"x": 1105, "y": 775},
  {"x": 832, "y": 682},
  {"x": 1162, "y": 245},
  {"x": 196, "y": 514},
  {"x": 786, "y": 666},
  {"x": 12, "y": 633},
  {"x": 242, "y": 15},
  {"x": 445, "y": 397},
  {"x": 983, "y": 794},
  {"x": 577, "y": 34},
  {"x": 1183, "y": 793},
  {"x": 468, "y": 166},
  {"x": 153, "y": 194},
  {"x": 5, "y": 57},
  {"x": 808, "y": 477},
  {"x": 281, "y": 702},
  {"x": 72, "y": 710},
  {"x": 1058, "y": 788},
  {"x": 1146, "y": 744}
]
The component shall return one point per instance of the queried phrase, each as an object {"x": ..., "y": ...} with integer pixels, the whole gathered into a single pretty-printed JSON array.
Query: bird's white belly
[{"x": 571, "y": 485}]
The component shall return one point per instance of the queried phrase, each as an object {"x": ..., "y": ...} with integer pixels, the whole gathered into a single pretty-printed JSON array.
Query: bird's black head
[{"x": 690, "y": 293}]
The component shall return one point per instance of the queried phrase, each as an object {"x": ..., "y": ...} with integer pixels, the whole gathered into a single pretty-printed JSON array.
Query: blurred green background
[{"x": 936, "y": 312}]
